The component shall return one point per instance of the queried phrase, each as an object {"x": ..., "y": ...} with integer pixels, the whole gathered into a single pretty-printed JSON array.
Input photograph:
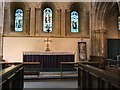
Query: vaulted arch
[
  {"x": 10, "y": 20},
  {"x": 104, "y": 25},
  {"x": 55, "y": 19},
  {"x": 83, "y": 14}
]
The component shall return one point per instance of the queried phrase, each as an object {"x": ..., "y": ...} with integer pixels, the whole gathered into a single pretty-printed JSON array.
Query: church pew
[
  {"x": 113, "y": 63},
  {"x": 101, "y": 61},
  {"x": 104, "y": 83},
  {"x": 30, "y": 68},
  {"x": 64, "y": 65},
  {"x": 12, "y": 78},
  {"x": 96, "y": 78}
]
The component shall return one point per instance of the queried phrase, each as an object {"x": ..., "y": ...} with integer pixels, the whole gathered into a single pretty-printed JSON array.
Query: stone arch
[
  {"x": 118, "y": 3},
  {"x": 10, "y": 9},
  {"x": 104, "y": 25},
  {"x": 13, "y": 7},
  {"x": 82, "y": 10},
  {"x": 55, "y": 20},
  {"x": 53, "y": 4},
  {"x": 100, "y": 12}
]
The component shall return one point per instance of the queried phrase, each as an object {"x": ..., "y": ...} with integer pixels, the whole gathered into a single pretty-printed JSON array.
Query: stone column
[
  {"x": 58, "y": 23},
  {"x": 38, "y": 21},
  {"x": 28, "y": 21},
  {"x": 98, "y": 42},
  {"x": 84, "y": 23},
  {"x": 87, "y": 23},
  {"x": 32, "y": 21},
  {"x": 63, "y": 23},
  {"x": 67, "y": 22},
  {"x": 7, "y": 21},
  {"x": 40, "y": 25},
  {"x": 1, "y": 29}
]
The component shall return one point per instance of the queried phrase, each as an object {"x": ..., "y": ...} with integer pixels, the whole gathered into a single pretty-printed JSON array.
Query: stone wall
[
  {"x": 98, "y": 22},
  {"x": 1, "y": 30},
  {"x": 33, "y": 19}
]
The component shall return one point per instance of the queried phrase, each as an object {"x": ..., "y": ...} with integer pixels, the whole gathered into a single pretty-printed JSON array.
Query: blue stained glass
[
  {"x": 47, "y": 20},
  {"x": 118, "y": 22},
  {"x": 74, "y": 21},
  {"x": 19, "y": 20},
  {"x": 118, "y": 25}
]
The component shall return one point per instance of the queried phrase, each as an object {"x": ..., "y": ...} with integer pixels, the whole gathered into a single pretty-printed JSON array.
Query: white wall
[{"x": 13, "y": 47}]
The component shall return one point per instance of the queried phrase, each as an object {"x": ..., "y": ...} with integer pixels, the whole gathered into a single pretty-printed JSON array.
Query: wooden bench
[
  {"x": 6, "y": 64},
  {"x": 31, "y": 72},
  {"x": 92, "y": 63},
  {"x": 66, "y": 63},
  {"x": 100, "y": 59},
  {"x": 12, "y": 78},
  {"x": 96, "y": 78},
  {"x": 25, "y": 64}
]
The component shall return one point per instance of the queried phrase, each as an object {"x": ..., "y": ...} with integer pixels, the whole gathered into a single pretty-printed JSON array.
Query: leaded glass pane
[
  {"x": 74, "y": 21},
  {"x": 47, "y": 20},
  {"x": 19, "y": 20},
  {"x": 119, "y": 23}
]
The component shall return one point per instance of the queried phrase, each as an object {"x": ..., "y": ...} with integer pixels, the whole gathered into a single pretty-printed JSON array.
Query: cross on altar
[{"x": 47, "y": 42}]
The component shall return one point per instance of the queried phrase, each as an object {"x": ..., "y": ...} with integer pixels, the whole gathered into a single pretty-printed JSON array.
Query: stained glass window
[
  {"x": 74, "y": 21},
  {"x": 119, "y": 23},
  {"x": 47, "y": 20},
  {"x": 19, "y": 20}
]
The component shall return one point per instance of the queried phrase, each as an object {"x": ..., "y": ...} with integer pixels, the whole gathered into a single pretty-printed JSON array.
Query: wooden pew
[
  {"x": 96, "y": 78},
  {"x": 12, "y": 78},
  {"x": 100, "y": 59},
  {"x": 67, "y": 63},
  {"x": 96, "y": 61},
  {"x": 30, "y": 68},
  {"x": 6, "y": 64},
  {"x": 113, "y": 63}
]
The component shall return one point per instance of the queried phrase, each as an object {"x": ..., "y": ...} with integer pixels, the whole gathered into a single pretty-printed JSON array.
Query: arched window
[
  {"x": 47, "y": 20},
  {"x": 19, "y": 20},
  {"x": 74, "y": 21},
  {"x": 119, "y": 23}
]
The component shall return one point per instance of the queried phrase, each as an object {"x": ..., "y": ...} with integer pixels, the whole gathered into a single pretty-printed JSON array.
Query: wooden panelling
[
  {"x": 96, "y": 78},
  {"x": 12, "y": 78}
]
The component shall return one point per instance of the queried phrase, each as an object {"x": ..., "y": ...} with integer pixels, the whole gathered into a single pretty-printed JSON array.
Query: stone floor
[
  {"x": 52, "y": 83},
  {"x": 51, "y": 80},
  {"x": 47, "y": 75}
]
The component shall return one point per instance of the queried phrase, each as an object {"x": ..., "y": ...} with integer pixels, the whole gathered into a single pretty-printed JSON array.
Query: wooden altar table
[{"x": 49, "y": 61}]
